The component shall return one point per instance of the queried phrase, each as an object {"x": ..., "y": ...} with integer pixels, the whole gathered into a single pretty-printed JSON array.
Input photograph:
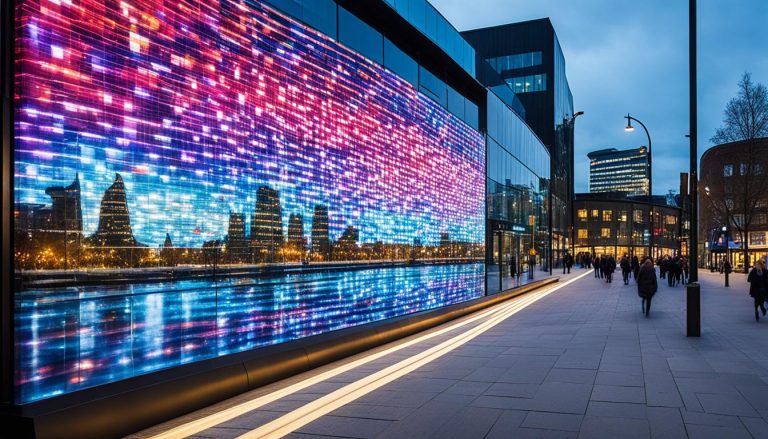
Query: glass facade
[
  {"x": 612, "y": 170},
  {"x": 424, "y": 17},
  {"x": 517, "y": 189},
  {"x": 517, "y": 61},
  {"x": 528, "y": 83},
  {"x": 234, "y": 139}
]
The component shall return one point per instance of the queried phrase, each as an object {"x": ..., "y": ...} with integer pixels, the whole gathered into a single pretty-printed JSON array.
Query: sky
[{"x": 632, "y": 57}]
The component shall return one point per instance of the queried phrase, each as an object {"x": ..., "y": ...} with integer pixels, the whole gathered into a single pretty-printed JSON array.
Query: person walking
[
  {"x": 635, "y": 266},
  {"x": 598, "y": 270},
  {"x": 647, "y": 285},
  {"x": 568, "y": 260},
  {"x": 758, "y": 285},
  {"x": 626, "y": 268},
  {"x": 610, "y": 267}
]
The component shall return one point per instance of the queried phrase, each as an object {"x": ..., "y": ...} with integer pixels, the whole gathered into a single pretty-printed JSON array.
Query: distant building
[
  {"x": 66, "y": 213},
  {"x": 321, "y": 245},
  {"x": 114, "y": 228},
  {"x": 613, "y": 170},
  {"x": 346, "y": 248},
  {"x": 296, "y": 237},
  {"x": 267, "y": 224},
  {"x": 237, "y": 245}
]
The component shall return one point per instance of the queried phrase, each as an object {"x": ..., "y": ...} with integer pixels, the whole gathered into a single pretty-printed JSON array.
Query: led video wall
[{"x": 202, "y": 134}]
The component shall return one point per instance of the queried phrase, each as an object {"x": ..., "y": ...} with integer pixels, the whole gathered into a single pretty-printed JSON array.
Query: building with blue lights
[{"x": 201, "y": 191}]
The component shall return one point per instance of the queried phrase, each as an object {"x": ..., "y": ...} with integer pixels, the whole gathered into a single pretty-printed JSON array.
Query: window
[
  {"x": 607, "y": 215},
  {"x": 671, "y": 219},
  {"x": 595, "y": 213},
  {"x": 756, "y": 238},
  {"x": 760, "y": 218},
  {"x": 433, "y": 87},
  {"x": 583, "y": 234},
  {"x": 400, "y": 63},
  {"x": 761, "y": 203},
  {"x": 605, "y": 232},
  {"x": 530, "y": 83},
  {"x": 729, "y": 203},
  {"x": 357, "y": 35},
  {"x": 727, "y": 170},
  {"x": 638, "y": 215},
  {"x": 517, "y": 61},
  {"x": 623, "y": 216},
  {"x": 743, "y": 169},
  {"x": 739, "y": 220},
  {"x": 582, "y": 214}
]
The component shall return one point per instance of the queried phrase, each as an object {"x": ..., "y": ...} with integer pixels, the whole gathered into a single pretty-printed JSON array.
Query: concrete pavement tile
[
  {"x": 598, "y": 427},
  {"x": 486, "y": 374},
  {"x": 697, "y": 418},
  {"x": 470, "y": 422},
  {"x": 535, "y": 433},
  {"x": 757, "y": 427},
  {"x": 726, "y": 405},
  {"x": 473, "y": 388},
  {"x": 421, "y": 384},
  {"x": 606, "y": 393},
  {"x": 357, "y": 410},
  {"x": 716, "y": 432},
  {"x": 424, "y": 421},
  {"x": 525, "y": 375},
  {"x": 507, "y": 422},
  {"x": 619, "y": 379},
  {"x": 396, "y": 398},
  {"x": 665, "y": 423},
  {"x": 617, "y": 410},
  {"x": 512, "y": 390},
  {"x": 575, "y": 376},
  {"x": 552, "y": 421},
  {"x": 346, "y": 427}
]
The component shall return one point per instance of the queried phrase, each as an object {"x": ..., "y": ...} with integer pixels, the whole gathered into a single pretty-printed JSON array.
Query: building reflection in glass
[{"x": 75, "y": 338}]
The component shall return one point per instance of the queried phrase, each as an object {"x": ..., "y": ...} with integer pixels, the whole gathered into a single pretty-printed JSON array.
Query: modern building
[
  {"x": 733, "y": 218},
  {"x": 529, "y": 59},
  {"x": 614, "y": 224},
  {"x": 613, "y": 170},
  {"x": 378, "y": 119}
]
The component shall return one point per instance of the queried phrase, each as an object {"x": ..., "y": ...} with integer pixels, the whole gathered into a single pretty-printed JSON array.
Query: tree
[{"x": 739, "y": 190}]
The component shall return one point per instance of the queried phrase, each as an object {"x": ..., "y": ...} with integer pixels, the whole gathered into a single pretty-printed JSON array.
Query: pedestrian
[
  {"x": 626, "y": 268},
  {"x": 568, "y": 262},
  {"x": 757, "y": 287},
  {"x": 685, "y": 270},
  {"x": 596, "y": 264},
  {"x": 647, "y": 285},
  {"x": 610, "y": 267},
  {"x": 635, "y": 266}
]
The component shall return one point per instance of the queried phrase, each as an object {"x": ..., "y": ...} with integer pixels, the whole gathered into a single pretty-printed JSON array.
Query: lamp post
[
  {"x": 693, "y": 291},
  {"x": 570, "y": 130},
  {"x": 630, "y": 128}
]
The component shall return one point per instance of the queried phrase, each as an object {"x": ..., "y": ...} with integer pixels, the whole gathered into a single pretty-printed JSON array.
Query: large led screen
[{"x": 194, "y": 179}]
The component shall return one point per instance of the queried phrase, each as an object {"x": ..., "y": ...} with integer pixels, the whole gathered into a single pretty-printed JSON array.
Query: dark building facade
[
  {"x": 613, "y": 170},
  {"x": 612, "y": 224},
  {"x": 114, "y": 219},
  {"x": 733, "y": 218},
  {"x": 237, "y": 244},
  {"x": 528, "y": 57},
  {"x": 321, "y": 244}
]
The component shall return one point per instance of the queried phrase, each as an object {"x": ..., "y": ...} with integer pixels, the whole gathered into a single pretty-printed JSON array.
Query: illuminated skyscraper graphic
[
  {"x": 237, "y": 245},
  {"x": 67, "y": 216},
  {"x": 613, "y": 170},
  {"x": 267, "y": 224},
  {"x": 296, "y": 237},
  {"x": 114, "y": 220},
  {"x": 321, "y": 245}
]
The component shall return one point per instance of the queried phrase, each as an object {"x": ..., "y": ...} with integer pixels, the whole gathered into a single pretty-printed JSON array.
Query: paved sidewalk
[{"x": 581, "y": 362}]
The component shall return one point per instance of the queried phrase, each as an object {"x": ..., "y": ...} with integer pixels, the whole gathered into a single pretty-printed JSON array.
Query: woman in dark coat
[
  {"x": 758, "y": 287},
  {"x": 647, "y": 285}
]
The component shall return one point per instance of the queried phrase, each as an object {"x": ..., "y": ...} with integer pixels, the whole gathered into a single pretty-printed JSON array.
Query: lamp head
[{"x": 629, "y": 127}]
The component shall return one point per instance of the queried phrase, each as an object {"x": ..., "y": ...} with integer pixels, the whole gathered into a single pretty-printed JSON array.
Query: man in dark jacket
[
  {"x": 635, "y": 266},
  {"x": 568, "y": 262},
  {"x": 647, "y": 285},
  {"x": 610, "y": 267},
  {"x": 626, "y": 268}
]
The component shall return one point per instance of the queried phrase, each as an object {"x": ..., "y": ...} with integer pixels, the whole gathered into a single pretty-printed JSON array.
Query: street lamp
[
  {"x": 629, "y": 128},
  {"x": 569, "y": 126}
]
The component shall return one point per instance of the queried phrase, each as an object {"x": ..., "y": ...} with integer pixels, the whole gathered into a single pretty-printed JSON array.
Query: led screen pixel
[{"x": 196, "y": 135}]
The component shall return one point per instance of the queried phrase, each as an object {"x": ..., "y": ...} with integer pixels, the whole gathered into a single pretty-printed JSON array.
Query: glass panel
[
  {"x": 400, "y": 63},
  {"x": 432, "y": 86},
  {"x": 357, "y": 35}
]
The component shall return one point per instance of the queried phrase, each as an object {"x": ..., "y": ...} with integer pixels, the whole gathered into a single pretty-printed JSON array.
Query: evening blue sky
[{"x": 624, "y": 56}]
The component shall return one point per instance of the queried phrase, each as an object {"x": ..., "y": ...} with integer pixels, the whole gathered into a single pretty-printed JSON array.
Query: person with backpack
[
  {"x": 758, "y": 285},
  {"x": 647, "y": 285}
]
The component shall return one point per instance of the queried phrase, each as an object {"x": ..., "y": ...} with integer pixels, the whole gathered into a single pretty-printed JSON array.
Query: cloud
[{"x": 624, "y": 56}]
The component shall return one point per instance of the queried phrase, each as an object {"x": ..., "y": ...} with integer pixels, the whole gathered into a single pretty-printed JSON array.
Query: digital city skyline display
[
  {"x": 156, "y": 143},
  {"x": 198, "y": 106}
]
